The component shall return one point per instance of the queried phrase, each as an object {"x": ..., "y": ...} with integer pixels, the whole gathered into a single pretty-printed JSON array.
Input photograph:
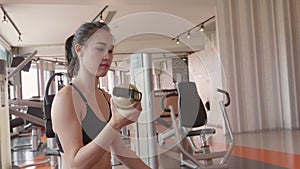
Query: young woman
[{"x": 85, "y": 120}]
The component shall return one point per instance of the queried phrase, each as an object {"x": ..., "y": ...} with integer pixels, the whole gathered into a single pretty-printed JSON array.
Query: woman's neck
[{"x": 87, "y": 82}]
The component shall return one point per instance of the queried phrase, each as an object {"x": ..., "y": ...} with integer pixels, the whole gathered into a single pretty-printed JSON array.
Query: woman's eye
[
  {"x": 101, "y": 49},
  {"x": 110, "y": 51}
]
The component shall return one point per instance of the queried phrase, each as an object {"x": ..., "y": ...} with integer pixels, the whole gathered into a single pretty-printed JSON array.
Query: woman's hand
[{"x": 123, "y": 117}]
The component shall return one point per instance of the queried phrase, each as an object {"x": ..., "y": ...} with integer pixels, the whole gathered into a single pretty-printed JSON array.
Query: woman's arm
[
  {"x": 66, "y": 123},
  {"x": 126, "y": 155}
]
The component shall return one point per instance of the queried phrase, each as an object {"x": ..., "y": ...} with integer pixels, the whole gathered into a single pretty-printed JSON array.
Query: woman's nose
[{"x": 108, "y": 56}]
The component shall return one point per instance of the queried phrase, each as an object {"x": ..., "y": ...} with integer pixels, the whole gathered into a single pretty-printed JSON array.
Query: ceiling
[{"x": 137, "y": 25}]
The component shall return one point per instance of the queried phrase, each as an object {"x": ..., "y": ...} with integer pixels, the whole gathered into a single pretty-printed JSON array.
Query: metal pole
[
  {"x": 21, "y": 65},
  {"x": 5, "y": 158},
  {"x": 26, "y": 103},
  {"x": 38, "y": 79},
  {"x": 229, "y": 132},
  {"x": 27, "y": 117},
  {"x": 149, "y": 106},
  {"x": 141, "y": 76}
]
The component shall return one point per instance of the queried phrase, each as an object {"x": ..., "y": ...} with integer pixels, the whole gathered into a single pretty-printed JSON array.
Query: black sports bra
[{"x": 91, "y": 124}]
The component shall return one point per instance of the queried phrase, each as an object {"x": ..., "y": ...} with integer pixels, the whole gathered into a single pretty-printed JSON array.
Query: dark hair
[
  {"x": 82, "y": 34},
  {"x": 68, "y": 49}
]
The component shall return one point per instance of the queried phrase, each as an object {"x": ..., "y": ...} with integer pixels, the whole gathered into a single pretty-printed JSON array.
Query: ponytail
[{"x": 71, "y": 61}]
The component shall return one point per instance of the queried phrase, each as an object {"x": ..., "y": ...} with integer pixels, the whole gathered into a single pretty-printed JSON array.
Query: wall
[
  {"x": 180, "y": 70},
  {"x": 163, "y": 78},
  {"x": 259, "y": 45},
  {"x": 295, "y": 31}
]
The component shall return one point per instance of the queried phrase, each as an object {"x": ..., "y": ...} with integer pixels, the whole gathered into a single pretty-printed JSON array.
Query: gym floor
[{"x": 276, "y": 149}]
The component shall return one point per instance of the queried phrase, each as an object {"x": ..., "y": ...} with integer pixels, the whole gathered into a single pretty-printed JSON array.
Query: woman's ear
[{"x": 78, "y": 49}]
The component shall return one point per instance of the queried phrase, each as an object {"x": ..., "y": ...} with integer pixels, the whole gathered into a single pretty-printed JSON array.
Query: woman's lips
[{"x": 104, "y": 65}]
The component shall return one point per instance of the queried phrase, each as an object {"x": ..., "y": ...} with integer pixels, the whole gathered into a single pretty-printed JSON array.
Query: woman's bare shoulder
[
  {"x": 63, "y": 100},
  {"x": 65, "y": 92}
]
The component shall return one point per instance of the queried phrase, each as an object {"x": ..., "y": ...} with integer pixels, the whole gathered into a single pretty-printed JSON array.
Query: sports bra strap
[{"x": 82, "y": 96}]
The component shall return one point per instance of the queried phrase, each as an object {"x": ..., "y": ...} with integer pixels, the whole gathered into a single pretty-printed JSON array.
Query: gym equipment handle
[
  {"x": 50, "y": 81},
  {"x": 227, "y": 96}
]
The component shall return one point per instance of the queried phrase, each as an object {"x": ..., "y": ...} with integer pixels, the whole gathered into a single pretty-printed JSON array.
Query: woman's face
[{"x": 98, "y": 53}]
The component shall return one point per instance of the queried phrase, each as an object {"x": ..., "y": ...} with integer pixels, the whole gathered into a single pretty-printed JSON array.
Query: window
[{"x": 29, "y": 83}]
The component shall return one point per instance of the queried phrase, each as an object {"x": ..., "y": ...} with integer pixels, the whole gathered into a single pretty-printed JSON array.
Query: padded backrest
[
  {"x": 47, "y": 108},
  {"x": 15, "y": 123},
  {"x": 190, "y": 106},
  {"x": 36, "y": 111}
]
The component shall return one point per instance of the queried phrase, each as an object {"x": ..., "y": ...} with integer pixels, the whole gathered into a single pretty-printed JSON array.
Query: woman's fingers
[
  {"x": 138, "y": 106},
  {"x": 126, "y": 116},
  {"x": 130, "y": 114}
]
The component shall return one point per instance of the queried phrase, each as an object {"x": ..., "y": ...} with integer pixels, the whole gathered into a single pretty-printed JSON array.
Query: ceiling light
[
  {"x": 4, "y": 19},
  {"x": 201, "y": 28},
  {"x": 101, "y": 18},
  {"x": 100, "y": 14},
  {"x": 56, "y": 62},
  {"x": 177, "y": 41},
  {"x": 19, "y": 39},
  {"x": 188, "y": 35}
]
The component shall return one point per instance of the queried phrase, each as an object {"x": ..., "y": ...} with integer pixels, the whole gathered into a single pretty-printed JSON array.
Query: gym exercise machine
[
  {"x": 52, "y": 150},
  {"x": 6, "y": 109},
  {"x": 30, "y": 111},
  {"x": 32, "y": 119},
  {"x": 167, "y": 100},
  {"x": 192, "y": 116}
]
